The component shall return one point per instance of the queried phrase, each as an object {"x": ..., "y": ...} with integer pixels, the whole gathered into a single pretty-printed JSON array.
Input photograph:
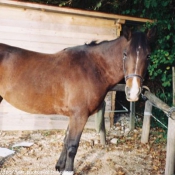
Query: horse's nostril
[{"x": 127, "y": 91}]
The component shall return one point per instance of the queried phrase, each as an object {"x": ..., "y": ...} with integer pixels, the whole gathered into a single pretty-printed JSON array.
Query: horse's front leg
[
  {"x": 60, "y": 166},
  {"x": 76, "y": 126},
  {"x": 1, "y": 99}
]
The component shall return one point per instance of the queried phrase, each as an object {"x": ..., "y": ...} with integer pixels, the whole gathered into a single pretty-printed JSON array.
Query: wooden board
[
  {"x": 85, "y": 13},
  {"x": 50, "y": 32}
]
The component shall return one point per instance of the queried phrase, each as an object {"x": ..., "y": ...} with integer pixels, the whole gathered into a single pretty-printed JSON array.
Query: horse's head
[{"x": 135, "y": 61}]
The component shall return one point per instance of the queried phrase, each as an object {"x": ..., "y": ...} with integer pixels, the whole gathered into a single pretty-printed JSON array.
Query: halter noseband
[{"x": 133, "y": 75}]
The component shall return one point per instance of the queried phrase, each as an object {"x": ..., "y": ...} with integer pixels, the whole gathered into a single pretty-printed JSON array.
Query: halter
[{"x": 134, "y": 74}]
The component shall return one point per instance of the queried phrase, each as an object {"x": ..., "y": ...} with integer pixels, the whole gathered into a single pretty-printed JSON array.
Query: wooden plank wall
[{"x": 47, "y": 32}]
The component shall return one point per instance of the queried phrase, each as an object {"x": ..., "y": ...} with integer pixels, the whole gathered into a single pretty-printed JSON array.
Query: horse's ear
[
  {"x": 126, "y": 33},
  {"x": 151, "y": 33}
]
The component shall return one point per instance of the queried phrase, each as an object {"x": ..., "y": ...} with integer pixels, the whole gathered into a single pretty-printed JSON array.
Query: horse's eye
[
  {"x": 124, "y": 53},
  {"x": 148, "y": 56}
]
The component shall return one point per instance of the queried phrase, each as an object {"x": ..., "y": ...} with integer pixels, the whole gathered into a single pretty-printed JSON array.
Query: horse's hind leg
[{"x": 76, "y": 126}]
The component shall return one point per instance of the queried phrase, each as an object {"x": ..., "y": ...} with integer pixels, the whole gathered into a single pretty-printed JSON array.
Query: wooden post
[
  {"x": 170, "y": 154},
  {"x": 111, "y": 114},
  {"x": 132, "y": 116},
  {"x": 146, "y": 122},
  {"x": 173, "y": 80},
  {"x": 100, "y": 123}
]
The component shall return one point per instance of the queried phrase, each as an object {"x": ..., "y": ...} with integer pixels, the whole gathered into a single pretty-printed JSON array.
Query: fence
[
  {"x": 100, "y": 120},
  {"x": 154, "y": 101}
]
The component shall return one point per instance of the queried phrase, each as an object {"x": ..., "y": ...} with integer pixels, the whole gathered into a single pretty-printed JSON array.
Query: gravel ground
[{"x": 123, "y": 154}]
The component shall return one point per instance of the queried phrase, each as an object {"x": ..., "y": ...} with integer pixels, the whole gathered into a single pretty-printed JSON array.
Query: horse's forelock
[{"x": 138, "y": 39}]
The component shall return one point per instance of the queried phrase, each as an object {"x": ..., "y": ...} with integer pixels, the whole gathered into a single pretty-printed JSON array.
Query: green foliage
[{"x": 163, "y": 48}]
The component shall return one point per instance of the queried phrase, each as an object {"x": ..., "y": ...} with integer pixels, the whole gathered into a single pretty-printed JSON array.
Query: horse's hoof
[
  {"x": 60, "y": 167},
  {"x": 67, "y": 173},
  {"x": 57, "y": 168}
]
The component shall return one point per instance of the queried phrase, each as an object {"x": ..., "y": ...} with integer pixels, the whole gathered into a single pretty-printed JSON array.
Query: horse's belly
[
  {"x": 39, "y": 98},
  {"x": 38, "y": 105}
]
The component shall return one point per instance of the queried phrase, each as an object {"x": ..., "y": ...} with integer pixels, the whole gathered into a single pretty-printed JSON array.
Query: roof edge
[{"x": 119, "y": 18}]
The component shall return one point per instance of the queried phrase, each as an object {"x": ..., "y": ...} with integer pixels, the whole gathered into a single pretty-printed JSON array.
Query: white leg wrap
[{"x": 68, "y": 173}]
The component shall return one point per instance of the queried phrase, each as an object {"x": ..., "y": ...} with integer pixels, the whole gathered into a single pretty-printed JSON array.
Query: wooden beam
[
  {"x": 16, "y": 13},
  {"x": 121, "y": 18},
  {"x": 118, "y": 87},
  {"x": 156, "y": 101},
  {"x": 118, "y": 29}
]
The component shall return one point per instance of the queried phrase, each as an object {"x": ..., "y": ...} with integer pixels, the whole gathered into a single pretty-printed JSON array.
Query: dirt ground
[{"x": 123, "y": 155}]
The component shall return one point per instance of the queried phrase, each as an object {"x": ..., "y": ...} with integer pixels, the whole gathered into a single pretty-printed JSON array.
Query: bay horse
[{"x": 74, "y": 81}]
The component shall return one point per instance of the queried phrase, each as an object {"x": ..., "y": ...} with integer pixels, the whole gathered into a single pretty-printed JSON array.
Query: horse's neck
[
  {"x": 112, "y": 55},
  {"x": 115, "y": 48}
]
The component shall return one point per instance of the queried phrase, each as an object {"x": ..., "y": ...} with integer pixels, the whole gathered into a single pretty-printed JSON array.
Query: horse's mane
[{"x": 95, "y": 43}]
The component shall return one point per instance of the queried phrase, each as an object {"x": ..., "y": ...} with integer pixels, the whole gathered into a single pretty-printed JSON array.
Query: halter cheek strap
[{"x": 134, "y": 74}]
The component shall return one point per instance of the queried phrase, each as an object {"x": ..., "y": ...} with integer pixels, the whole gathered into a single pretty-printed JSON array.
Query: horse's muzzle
[{"x": 132, "y": 94}]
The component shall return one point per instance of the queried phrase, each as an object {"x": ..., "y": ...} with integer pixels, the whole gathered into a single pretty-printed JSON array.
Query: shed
[{"x": 49, "y": 29}]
